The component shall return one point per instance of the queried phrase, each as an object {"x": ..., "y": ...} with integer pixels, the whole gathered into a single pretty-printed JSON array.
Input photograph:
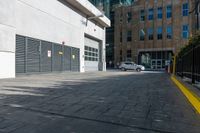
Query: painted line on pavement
[{"x": 191, "y": 96}]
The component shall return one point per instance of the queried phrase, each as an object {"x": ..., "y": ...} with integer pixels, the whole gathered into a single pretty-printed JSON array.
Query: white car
[{"x": 131, "y": 66}]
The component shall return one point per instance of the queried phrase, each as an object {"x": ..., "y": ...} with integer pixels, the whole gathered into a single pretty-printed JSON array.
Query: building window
[
  {"x": 91, "y": 54},
  {"x": 185, "y": 9},
  {"x": 159, "y": 33},
  {"x": 120, "y": 36},
  {"x": 129, "y": 54},
  {"x": 150, "y": 17},
  {"x": 129, "y": 17},
  {"x": 120, "y": 20},
  {"x": 141, "y": 35},
  {"x": 120, "y": 55},
  {"x": 169, "y": 11},
  {"x": 159, "y": 13},
  {"x": 129, "y": 36},
  {"x": 142, "y": 15},
  {"x": 150, "y": 33},
  {"x": 169, "y": 32},
  {"x": 120, "y": 17},
  {"x": 185, "y": 31}
]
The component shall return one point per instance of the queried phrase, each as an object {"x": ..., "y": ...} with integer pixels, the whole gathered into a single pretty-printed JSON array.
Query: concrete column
[{"x": 7, "y": 38}]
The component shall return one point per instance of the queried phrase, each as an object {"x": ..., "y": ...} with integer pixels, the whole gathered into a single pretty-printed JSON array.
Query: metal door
[
  {"x": 75, "y": 59},
  {"x": 67, "y": 58},
  {"x": 20, "y": 54},
  {"x": 46, "y": 56},
  {"x": 156, "y": 64},
  {"x": 159, "y": 64},
  {"x": 57, "y": 57},
  {"x": 33, "y": 55}
]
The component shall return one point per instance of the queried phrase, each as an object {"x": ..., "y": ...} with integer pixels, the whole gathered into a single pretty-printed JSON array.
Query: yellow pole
[{"x": 174, "y": 65}]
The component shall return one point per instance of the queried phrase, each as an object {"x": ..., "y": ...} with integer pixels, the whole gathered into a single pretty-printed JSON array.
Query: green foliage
[{"x": 193, "y": 41}]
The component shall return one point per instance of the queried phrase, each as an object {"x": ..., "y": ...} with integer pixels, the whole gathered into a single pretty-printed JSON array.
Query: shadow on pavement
[{"x": 98, "y": 102}]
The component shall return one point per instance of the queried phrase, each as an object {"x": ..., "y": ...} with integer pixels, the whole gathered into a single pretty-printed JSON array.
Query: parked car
[{"x": 131, "y": 66}]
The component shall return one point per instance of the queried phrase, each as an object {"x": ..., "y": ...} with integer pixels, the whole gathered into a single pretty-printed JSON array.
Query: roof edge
[{"x": 90, "y": 10}]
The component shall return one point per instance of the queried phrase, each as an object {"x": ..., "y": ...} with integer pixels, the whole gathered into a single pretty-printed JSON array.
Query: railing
[{"x": 188, "y": 65}]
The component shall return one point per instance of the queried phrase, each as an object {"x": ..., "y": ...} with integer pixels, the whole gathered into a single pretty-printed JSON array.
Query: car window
[{"x": 128, "y": 63}]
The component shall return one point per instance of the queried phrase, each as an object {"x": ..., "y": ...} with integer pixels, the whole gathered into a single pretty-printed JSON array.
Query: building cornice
[{"x": 90, "y": 11}]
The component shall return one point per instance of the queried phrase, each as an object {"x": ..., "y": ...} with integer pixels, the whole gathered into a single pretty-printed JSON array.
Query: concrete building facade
[
  {"x": 36, "y": 36},
  {"x": 151, "y": 32}
]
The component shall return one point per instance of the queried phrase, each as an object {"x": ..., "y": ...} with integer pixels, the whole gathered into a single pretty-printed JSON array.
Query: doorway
[{"x": 156, "y": 64}]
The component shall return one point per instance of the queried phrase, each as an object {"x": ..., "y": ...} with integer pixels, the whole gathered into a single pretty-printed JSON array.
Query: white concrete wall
[
  {"x": 53, "y": 21},
  {"x": 7, "y": 38},
  {"x": 7, "y": 65},
  {"x": 46, "y": 20}
]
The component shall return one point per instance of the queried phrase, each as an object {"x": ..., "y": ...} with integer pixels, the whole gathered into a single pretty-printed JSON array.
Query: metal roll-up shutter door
[
  {"x": 91, "y": 54},
  {"x": 46, "y": 56},
  {"x": 67, "y": 58},
  {"x": 75, "y": 59},
  {"x": 57, "y": 57},
  {"x": 20, "y": 54},
  {"x": 33, "y": 55}
]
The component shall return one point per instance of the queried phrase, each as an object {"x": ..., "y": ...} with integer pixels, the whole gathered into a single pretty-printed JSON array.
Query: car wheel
[
  {"x": 138, "y": 69},
  {"x": 123, "y": 69}
]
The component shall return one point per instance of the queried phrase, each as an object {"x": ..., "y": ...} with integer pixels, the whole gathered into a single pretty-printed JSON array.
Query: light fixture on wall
[{"x": 90, "y": 18}]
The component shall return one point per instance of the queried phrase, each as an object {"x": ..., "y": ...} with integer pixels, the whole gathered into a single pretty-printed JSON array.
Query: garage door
[{"x": 91, "y": 55}]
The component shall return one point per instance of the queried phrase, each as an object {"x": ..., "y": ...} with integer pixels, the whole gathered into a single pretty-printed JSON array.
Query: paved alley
[{"x": 96, "y": 102}]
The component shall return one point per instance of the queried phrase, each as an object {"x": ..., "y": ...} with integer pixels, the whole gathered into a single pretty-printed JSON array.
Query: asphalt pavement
[{"x": 95, "y": 102}]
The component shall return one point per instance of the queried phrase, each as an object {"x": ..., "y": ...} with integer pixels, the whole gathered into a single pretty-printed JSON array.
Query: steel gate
[
  {"x": 46, "y": 56},
  {"x": 57, "y": 57},
  {"x": 75, "y": 59},
  {"x": 67, "y": 58},
  {"x": 20, "y": 54},
  {"x": 33, "y": 55}
]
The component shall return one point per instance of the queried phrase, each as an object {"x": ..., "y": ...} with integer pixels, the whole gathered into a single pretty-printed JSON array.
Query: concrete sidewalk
[{"x": 98, "y": 102}]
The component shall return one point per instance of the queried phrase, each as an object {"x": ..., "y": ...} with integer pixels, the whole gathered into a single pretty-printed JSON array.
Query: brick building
[
  {"x": 108, "y": 7},
  {"x": 150, "y": 32}
]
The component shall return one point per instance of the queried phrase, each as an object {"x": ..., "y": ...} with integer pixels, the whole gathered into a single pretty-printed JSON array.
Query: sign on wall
[
  {"x": 49, "y": 53},
  {"x": 73, "y": 56},
  {"x": 60, "y": 53}
]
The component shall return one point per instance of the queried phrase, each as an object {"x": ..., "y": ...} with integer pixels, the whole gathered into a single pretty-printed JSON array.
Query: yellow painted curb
[{"x": 192, "y": 97}]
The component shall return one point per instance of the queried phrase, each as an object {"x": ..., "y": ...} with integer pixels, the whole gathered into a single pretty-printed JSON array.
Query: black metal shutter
[
  {"x": 20, "y": 54},
  {"x": 46, "y": 56},
  {"x": 57, "y": 57},
  {"x": 67, "y": 58},
  {"x": 33, "y": 55},
  {"x": 75, "y": 61}
]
